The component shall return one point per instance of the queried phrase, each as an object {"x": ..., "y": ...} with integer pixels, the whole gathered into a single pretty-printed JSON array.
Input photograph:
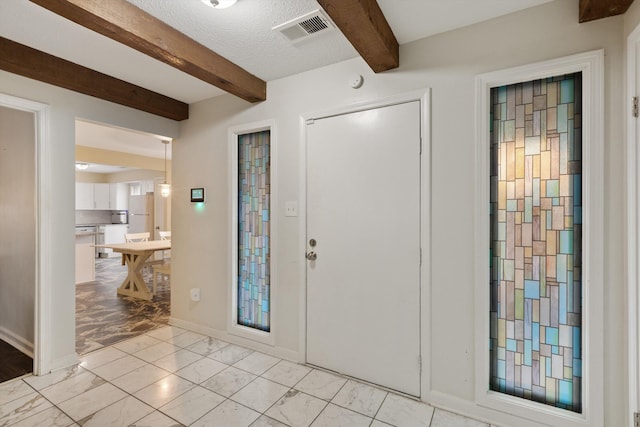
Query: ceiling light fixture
[
  {"x": 165, "y": 189},
  {"x": 219, "y": 4},
  {"x": 82, "y": 166}
]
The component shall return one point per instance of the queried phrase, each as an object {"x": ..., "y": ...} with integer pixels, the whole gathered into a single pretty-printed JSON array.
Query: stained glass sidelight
[
  {"x": 253, "y": 230},
  {"x": 536, "y": 241}
]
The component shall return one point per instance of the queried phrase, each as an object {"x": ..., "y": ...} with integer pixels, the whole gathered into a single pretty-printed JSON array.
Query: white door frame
[
  {"x": 233, "y": 327},
  {"x": 424, "y": 97},
  {"x": 633, "y": 224},
  {"x": 43, "y": 190},
  {"x": 591, "y": 64}
]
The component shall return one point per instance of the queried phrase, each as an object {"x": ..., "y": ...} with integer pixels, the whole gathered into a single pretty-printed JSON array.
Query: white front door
[{"x": 363, "y": 211}]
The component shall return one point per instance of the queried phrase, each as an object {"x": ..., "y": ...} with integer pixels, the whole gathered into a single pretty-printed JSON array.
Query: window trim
[
  {"x": 591, "y": 64},
  {"x": 233, "y": 327}
]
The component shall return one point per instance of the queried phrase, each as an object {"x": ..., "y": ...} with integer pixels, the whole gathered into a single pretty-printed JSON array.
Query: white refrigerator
[{"x": 141, "y": 214}]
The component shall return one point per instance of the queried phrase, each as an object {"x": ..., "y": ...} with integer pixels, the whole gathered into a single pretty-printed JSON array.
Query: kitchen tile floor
[
  {"x": 104, "y": 318},
  {"x": 172, "y": 377}
]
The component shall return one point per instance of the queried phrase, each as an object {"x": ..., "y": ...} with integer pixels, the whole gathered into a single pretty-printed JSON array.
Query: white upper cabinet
[
  {"x": 84, "y": 195},
  {"x": 148, "y": 186},
  {"x": 119, "y": 196},
  {"x": 101, "y": 196},
  {"x": 140, "y": 188}
]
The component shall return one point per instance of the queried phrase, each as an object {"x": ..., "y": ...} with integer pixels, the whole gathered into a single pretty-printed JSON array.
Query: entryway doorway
[
  {"x": 363, "y": 240},
  {"x": 118, "y": 192}
]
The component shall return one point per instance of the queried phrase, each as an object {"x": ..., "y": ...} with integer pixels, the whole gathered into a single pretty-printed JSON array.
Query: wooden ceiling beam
[
  {"x": 590, "y": 10},
  {"x": 133, "y": 27},
  {"x": 365, "y": 26},
  {"x": 28, "y": 62}
]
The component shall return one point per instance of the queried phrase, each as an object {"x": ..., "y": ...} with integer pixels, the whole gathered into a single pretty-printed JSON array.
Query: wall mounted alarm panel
[{"x": 197, "y": 195}]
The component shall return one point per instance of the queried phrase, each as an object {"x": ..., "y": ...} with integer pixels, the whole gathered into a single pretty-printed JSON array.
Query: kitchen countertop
[
  {"x": 87, "y": 233},
  {"x": 97, "y": 224}
]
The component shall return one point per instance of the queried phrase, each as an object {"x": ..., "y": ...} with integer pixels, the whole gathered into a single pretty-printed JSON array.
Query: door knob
[{"x": 312, "y": 256}]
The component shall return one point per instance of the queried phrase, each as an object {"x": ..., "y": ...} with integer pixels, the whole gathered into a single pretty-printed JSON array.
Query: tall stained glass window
[
  {"x": 536, "y": 241},
  {"x": 254, "y": 196}
]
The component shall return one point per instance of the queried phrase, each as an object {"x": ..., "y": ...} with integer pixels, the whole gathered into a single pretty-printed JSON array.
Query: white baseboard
[
  {"x": 282, "y": 353},
  {"x": 434, "y": 398},
  {"x": 16, "y": 341},
  {"x": 471, "y": 410},
  {"x": 62, "y": 363}
]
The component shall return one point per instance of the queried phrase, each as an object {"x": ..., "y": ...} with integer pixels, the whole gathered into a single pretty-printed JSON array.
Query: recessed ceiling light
[
  {"x": 82, "y": 166},
  {"x": 219, "y": 4}
]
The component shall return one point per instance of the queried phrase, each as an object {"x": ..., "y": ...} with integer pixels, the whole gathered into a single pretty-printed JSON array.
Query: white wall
[
  {"x": 66, "y": 106},
  {"x": 17, "y": 227},
  {"x": 631, "y": 18},
  {"x": 447, "y": 63}
]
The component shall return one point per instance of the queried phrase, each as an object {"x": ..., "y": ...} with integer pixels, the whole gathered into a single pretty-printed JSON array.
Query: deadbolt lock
[{"x": 312, "y": 243}]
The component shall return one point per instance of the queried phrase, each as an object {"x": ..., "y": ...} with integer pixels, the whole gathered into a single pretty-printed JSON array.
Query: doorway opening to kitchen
[{"x": 119, "y": 177}]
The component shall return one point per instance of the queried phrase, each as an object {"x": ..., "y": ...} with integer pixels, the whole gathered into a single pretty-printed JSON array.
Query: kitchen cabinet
[
  {"x": 85, "y": 258},
  {"x": 119, "y": 196},
  {"x": 101, "y": 196},
  {"x": 148, "y": 186},
  {"x": 113, "y": 234},
  {"x": 140, "y": 188},
  {"x": 84, "y": 195}
]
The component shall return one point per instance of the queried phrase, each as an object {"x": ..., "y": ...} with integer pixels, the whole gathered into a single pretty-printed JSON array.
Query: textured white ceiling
[
  {"x": 34, "y": 26},
  {"x": 241, "y": 33},
  {"x": 416, "y": 19}
]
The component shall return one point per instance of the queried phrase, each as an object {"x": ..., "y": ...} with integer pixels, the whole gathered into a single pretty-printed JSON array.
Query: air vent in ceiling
[{"x": 305, "y": 26}]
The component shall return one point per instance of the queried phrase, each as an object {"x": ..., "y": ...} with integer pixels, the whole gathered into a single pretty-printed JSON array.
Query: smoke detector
[{"x": 306, "y": 26}]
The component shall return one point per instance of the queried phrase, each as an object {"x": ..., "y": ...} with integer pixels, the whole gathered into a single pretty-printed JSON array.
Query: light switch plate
[{"x": 291, "y": 209}]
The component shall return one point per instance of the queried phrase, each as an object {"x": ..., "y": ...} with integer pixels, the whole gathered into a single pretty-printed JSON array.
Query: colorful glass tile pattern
[
  {"x": 254, "y": 194},
  {"x": 536, "y": 240}
]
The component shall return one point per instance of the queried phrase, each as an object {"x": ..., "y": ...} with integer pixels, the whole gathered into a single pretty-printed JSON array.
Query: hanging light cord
[{"x": 165, "y": 142}]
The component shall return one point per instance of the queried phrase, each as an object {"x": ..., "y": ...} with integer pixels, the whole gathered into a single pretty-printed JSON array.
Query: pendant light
[{"x": 165, "y": 189}]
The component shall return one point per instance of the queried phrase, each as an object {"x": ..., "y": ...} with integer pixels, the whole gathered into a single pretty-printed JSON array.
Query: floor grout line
[
  {"x": 325, "y": 403},
  {"x": 171, "y": 337}
]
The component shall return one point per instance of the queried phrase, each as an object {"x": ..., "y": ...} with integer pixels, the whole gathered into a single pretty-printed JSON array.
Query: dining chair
[
  {"x": 141, "y": 237},
  {"x": 165, "y": 270},
  {"x": 165, "y": 235},
  {"x": 137, "y": 237}
]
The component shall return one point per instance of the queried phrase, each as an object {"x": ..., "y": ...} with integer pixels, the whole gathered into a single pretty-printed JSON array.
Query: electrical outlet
[{"x": 291, "y": 209}]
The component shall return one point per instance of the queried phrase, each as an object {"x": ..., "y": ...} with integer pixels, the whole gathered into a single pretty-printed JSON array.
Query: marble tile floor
[
  {"x": 173, "y": 377},
  {"x": 104, "y": 318}
]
